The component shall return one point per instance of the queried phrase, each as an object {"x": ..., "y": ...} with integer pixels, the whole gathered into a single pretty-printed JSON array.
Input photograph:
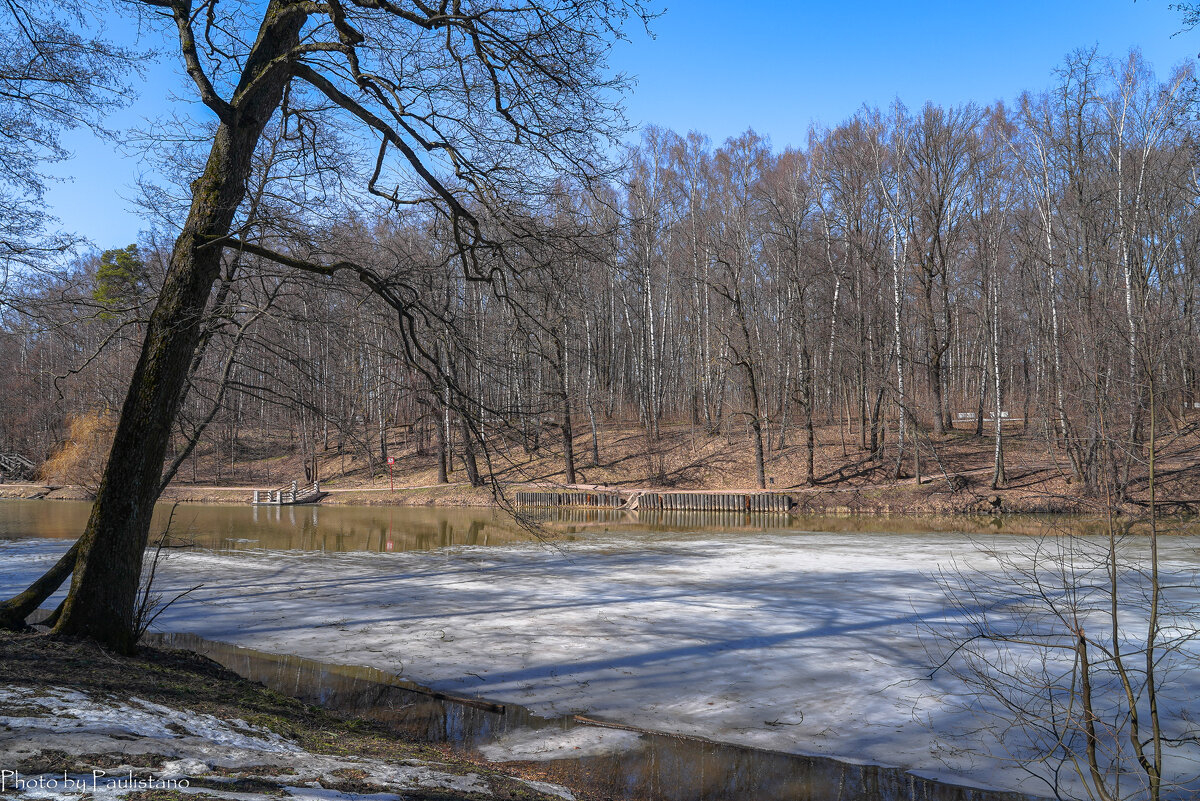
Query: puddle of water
[{"x": 634, "y": 765}]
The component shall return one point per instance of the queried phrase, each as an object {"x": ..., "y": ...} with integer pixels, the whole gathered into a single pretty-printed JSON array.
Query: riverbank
[
  {"x": 172, "y": 725},
  {"x": 956, "y": 472},
  {"x": 944, "y": 496},
  {"x": 450, "y": 495}
]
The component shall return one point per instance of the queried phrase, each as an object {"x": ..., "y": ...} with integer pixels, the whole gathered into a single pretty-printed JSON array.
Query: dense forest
[{"x": 905, "y": 273}]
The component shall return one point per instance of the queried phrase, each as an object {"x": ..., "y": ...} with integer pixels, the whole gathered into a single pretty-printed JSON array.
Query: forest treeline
[{"x": 906, "y": 272}]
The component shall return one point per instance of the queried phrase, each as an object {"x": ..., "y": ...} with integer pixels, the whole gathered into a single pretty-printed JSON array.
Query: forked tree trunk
[
  {"x": 806, "y": 402},
  {"x": 760, "y": 462},
  {"x": 590, "y": 395},
  {"x": 564, "y": 391},
  {"x": 810, "y": 444},
  {"x": 108, "y": 571},
  {"x": 469, "y": 460},
  {"x": 999, "y": 479},
  {"x": 898, "y": 344}
]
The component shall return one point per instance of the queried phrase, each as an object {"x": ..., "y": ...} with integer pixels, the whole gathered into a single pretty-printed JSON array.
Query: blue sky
[{"x": 721, "y": 67}]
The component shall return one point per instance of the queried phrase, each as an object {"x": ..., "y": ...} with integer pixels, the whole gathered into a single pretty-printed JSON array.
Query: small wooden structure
[
  {"x": 289, "y": 495},
  {"x": 14, "y": 465}
]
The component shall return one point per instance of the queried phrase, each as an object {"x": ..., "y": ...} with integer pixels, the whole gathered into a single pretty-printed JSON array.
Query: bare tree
[
  {"x": 497, "y": 94},
  {"x": 55, "y": 75}
]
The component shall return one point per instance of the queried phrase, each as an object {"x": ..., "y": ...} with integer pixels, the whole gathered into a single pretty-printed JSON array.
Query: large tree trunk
[
  {"x": 568, "y": 435},
  {"x": 935, "y": 388},
  {"x": 101, "y": 602},
  {"x": 806, "y": 398},
  {"x": 760, "y": 463},
  {"x": 933, "y": 369}
]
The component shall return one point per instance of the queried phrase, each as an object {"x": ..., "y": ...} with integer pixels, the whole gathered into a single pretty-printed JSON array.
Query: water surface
[
  {"x": 281, "y": 528},
  {"x": 228, "y": 527},
  {"x": 636, "y": 765}
]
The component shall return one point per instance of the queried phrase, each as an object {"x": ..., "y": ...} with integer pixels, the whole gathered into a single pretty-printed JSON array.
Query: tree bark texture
[{"x": 103, "y": 594}]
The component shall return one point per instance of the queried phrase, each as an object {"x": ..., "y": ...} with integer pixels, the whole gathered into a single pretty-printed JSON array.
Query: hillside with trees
[{"x": 965, "y": 287}]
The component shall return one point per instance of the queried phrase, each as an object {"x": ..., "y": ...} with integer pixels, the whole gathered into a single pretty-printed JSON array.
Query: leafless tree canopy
[
  {"x": 55, "y": 75},
  {"x": 907, "y": 272}
]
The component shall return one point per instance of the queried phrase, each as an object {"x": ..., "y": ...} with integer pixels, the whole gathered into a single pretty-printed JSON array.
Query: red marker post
[{"x": 391, "y": 481}]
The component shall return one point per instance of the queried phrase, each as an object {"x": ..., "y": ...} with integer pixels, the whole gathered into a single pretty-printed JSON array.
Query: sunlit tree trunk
[{"x": 100, "y": 604}]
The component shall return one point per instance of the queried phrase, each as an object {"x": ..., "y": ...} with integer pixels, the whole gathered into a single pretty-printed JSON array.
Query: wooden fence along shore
[
  {"x": 665, "y": 520},
  {"x": 659, "y": 501},
  {"x": 591, "y": 500}
]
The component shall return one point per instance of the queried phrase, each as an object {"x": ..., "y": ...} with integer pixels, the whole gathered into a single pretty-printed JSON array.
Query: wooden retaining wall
[
  {"x": 715, "y": 501},
  {"x": 593, "y": 500},
  {"x": 662, "y": 501}
]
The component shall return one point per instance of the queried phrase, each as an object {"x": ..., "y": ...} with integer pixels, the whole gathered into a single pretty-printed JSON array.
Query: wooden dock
[
  {"x": 290, "y": 495},
  {"x": 696, "y": 501}
]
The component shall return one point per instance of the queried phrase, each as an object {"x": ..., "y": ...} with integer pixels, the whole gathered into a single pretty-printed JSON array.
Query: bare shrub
[
  {"x": 151, "y": 602},
  {"x": 81, "y": 459},
  {"x": 1076, "y": 655}
]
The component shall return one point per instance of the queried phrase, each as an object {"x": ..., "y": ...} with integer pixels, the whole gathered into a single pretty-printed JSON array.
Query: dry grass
[{"x": 81, "y": 459}]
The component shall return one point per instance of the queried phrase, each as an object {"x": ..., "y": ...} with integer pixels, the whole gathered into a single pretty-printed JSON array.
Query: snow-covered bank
[
  {"x": 77, "y": 724},
  {"x": 801, "y": 642},
  {"x": 189, "y": 745}
]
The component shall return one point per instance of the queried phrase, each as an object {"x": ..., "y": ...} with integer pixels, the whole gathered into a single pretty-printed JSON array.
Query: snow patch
[
  {"x": 548, "y": 744},
  {"x": 549, "y": 789},
  {"x": 190, "y": 745}
]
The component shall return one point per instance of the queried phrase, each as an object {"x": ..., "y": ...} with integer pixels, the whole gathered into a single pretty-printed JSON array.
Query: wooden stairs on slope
[
  {"x": 14, "y": 465},
  {"x": 291, "y": 495}
]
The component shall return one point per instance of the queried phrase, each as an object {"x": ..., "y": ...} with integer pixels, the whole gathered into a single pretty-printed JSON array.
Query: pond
[
  {"x": 396, "y": 529},
  {"x": 768, "y": 635},
  {"x": 617, "y": 762},
  {"x": 225, "y": 528}
]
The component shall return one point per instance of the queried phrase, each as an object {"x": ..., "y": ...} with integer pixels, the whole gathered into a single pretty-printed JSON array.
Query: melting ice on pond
[{"x": 801, "y": 642}]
